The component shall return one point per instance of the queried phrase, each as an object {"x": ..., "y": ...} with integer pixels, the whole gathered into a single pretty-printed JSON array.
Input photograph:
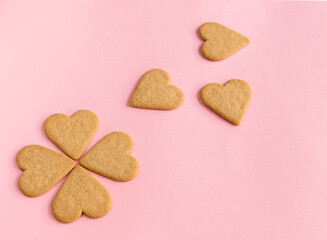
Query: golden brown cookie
[
  {"x": 71, "y": 134},
  {"x": 229, "y": 101},
  {"x": 154, "y": 92},
  {"x": 42, "y": 168},
  {"x": 111, "y": 158},
  {"x": 80, "y": 193},
  {"x": 220, "y": 41}
]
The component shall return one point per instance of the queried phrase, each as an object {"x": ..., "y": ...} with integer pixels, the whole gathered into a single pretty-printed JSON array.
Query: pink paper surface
[{"x": 200, "y": 177}]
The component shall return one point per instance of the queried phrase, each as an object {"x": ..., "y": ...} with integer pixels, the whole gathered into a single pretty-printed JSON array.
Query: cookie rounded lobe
[
  {"x": 208, "y": 30},
  {"x": 212, "y": 52}
]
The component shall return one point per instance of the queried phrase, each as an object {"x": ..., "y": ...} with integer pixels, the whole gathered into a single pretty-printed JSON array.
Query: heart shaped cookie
[
  {"x": 111, "y": 158},
  {"x": 220, "y": 41},
  {"x": 42, "y": 168},
  {"x": 229, "y": 101},
  {"x": 80, "y": 193},
  {"x": 154, "y": 92},
  {"x": 71, "y": 134}
]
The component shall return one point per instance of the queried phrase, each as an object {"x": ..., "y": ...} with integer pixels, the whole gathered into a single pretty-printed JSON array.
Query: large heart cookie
[
  {"x": 80, "y": 193},
  {"x": 42, "y": 168},
  {"x": 229, "y": 101},
  {"x": 111, "y": 158},
  {"x": 154, "y": 92},
  {"x": 220, "y": 41},
  {"x": 71, "y": 134}
]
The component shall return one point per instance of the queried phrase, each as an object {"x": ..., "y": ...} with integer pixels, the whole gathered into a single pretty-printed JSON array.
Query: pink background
[{"x": 200, "y": 177}]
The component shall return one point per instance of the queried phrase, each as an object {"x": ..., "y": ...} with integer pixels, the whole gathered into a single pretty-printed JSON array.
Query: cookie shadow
[
  {"x": 42, "y": 130},
  {"x": 130, "y": 95},
  {"x": 14, "y": 162},
  {"x": 17, "y": 178},
  {"x": 202, "y": 41}
]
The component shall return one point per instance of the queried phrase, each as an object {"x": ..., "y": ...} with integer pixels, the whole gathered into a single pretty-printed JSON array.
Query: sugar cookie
[
  {"x": 229, "y": 101},
  {"x": 220, "y": 41},
  {"x": 42, "y": 168},
  {"x": 154, "y": 92},
  {"x": 71, "y": 134},
  {"x": 111, "y": 158},
  {"x": 80, "y": 193}
]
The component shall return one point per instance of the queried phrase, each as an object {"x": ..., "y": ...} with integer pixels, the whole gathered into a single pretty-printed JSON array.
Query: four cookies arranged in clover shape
[{"x": 80, "y": 192}]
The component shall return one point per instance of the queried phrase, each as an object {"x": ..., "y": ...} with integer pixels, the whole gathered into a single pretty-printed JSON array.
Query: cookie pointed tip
[
  {"x": 236, "y": 123},
  {"x": 130, "y": 103}
]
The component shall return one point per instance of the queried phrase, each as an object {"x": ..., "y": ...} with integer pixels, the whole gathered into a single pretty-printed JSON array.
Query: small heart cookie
[
  {"x": 220, "y": 41},
  {"x": 111, "y": 158},
  {"x": 42, "y": 168},
  {"x": 154, "y": 92},
  {"x": 71, "y": 134},
  {"x": 80, "y": 193},
  {"x": 229, "y": 101}
]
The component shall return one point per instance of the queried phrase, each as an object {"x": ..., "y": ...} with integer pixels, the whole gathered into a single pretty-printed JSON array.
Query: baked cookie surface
[
  {"x": 154, "y": 91},
  {"x": 229, "y": 101},
  {"x": 111, "y": 158},
  {"x": 71, "y": 134},
  {"x": 80, "y": 193},
  {"x": 42, "y": 167},
  {"x": 220, "y": 41}
]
